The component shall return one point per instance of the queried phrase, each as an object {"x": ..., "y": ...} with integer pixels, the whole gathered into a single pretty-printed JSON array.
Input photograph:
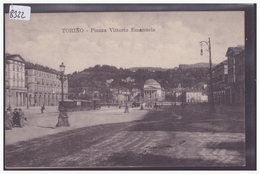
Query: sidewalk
[{"x": 39, "y": 125}]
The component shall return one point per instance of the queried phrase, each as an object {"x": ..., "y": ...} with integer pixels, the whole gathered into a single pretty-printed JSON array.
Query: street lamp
[
  {"x": 212, "y": 108},
  {"x": 63, "y": 119},
  {"x": 175, "y": 97},
  {"x": 62, "y": 78}
]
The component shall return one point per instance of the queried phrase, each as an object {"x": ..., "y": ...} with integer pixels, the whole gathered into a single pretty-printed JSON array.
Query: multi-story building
[
  {"x": 195, "y": 96},
  {"x": 44, "y": 88},
  {"x": 219, "y": 81},
  {"x": 235, "y": 89},
  {"x": 128, "y": 80},
  {"x": 15, "y": 88}
]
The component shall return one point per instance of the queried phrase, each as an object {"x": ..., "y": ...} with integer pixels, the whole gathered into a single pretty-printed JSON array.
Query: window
[
  {"x": 17, "y": 68},
  {"x": 17, "y": 75}
]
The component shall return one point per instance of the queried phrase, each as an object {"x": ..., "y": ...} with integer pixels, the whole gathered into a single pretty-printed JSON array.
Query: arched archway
[
  {"x": 40, "y": 100},
  {"x": 53, "y": 101},
  {"x": 44, "y": 99},
  {"x": 30, "y": 100},
  {"x": 49, "y": 100},
  {"x": 35, "y": 100},
  {"x": 56, "y": 100}
]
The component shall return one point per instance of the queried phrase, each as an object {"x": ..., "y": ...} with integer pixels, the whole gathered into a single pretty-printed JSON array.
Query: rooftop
[{"x": 151, "y": 82}]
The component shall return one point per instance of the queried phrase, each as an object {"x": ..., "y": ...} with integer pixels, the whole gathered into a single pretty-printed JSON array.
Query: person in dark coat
[
  {"x": 21, "y": 117},
  {"x": 42, "y": 109},
  {"x": 126, "y": 108},
  {"x": 8, "y": 119},
  {"x": 16, "y": 119}
]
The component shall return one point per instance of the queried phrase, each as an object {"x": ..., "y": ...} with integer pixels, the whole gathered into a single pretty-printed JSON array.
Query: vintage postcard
[{"x": 143, "y": 89}]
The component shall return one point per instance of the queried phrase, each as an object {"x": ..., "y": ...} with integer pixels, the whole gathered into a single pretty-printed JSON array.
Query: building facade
[
  {"x": 128, "y": 80},
  {"x": 196, "y": 96},
  {"x": 44, "y": 88},
  {"x": 235, "y": 88},
  {"x": 15, "y": 87},
  {"x": 219, "y": 81}
]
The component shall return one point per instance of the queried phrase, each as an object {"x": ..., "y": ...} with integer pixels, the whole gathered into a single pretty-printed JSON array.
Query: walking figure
[
  {"x": 42, "y": 109},
  {"x": 8, "y": 119},
  {"x": 155, "y": 105},
  {"x": 21, "y": 117},
  {"x": 126, "y": 108},
  {"x": 16, "y": 119}
]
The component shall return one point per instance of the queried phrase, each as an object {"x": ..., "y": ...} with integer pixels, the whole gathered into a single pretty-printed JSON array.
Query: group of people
[{"x": 15, "y": 118}]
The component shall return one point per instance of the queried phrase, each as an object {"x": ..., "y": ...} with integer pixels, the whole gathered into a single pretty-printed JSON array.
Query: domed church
[{"x": 153, "y": 91}]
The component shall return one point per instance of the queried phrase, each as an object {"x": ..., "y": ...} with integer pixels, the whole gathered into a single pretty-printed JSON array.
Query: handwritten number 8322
[{"x": 16, "y": 14}]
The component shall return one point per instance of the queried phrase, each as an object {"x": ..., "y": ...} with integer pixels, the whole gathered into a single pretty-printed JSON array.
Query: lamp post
[
  {"x": 63, "y": 119},
  {"x": 175, "y": 97},
  {"x": 212, "y": 108}
]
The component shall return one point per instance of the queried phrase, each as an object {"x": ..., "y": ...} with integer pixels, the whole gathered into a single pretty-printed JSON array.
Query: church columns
[{"x": 150, "y": 93}]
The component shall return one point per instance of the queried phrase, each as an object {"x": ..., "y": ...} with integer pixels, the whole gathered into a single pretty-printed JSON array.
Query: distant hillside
[
  {"x": 196, "y": 65},
  {"x": 148, "y": 68},
  {"x": 201, "y": 64}
]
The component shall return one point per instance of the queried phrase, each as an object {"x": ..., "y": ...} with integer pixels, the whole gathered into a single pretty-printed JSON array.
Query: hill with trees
[{"x": 94, "y": 78}]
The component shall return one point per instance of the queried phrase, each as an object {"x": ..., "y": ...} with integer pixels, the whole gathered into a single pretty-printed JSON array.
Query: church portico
[{"x": 152, "y": 91}]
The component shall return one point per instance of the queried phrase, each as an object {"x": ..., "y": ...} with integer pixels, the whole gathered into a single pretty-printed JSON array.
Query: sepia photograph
[{"x": 126, "y": 89}]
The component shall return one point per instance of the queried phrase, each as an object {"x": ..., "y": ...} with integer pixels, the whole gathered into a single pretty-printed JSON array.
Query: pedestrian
[
  {"x": 126, "y": 108},
  {"x": 9, "y": 119},
  {"x": 16, "y": 119},
  {"x": 42, "y": 109},
  {"x": 155, "y": 105},
  {"x": 95, "y": 105},
  {"x": 21, "y": 117}
]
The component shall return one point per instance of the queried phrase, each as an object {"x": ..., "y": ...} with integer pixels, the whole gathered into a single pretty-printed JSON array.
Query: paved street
[
  {"x": 108, "y": 137},
  {"x": 45, "y": 124}
]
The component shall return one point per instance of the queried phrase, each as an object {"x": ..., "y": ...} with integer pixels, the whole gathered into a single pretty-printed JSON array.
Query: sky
[{"x": 175, "y": 39}]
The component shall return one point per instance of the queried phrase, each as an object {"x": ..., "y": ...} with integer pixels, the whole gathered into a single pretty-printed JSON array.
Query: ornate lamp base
[{"x": 63, "y": 119}]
